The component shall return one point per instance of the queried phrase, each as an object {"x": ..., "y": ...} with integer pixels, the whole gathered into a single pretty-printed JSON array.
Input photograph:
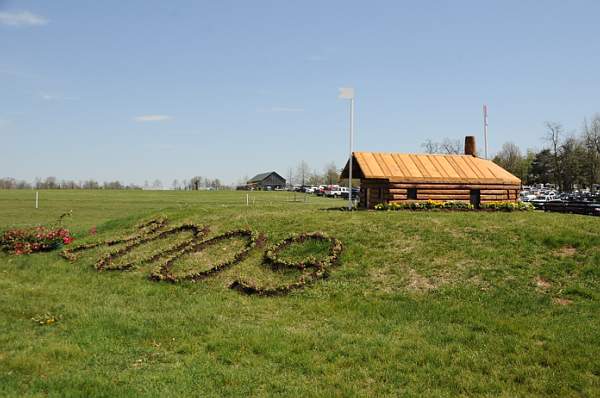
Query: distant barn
[
  {"x": 394, "y": 177},
  {"x": 268, "y": 180}
]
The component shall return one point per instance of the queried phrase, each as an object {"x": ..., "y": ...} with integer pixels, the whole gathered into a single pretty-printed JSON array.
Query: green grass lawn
[{"x": 422, "y": 304}]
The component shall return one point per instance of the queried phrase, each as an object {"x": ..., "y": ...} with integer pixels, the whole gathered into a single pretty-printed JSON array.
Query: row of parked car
[
  {"x": 329, "y": 191},
  {"x": 579, "y": 201}
]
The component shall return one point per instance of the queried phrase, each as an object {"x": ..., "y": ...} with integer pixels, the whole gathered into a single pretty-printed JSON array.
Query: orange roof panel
[{"x": 430, "y": 168}]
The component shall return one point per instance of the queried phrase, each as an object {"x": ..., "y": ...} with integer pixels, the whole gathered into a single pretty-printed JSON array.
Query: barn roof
[
  {"x": 262, "y": 176},
  {"x": 465, "y": 169}
]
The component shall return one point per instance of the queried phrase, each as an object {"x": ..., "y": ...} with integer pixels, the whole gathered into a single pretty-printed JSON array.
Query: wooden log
[
  {"x": 396, "y": 190},
  {"x": 443, "y": 191},
  {"x": 494, "y": 191},
  {"x": 396, "y": 197},
  {"x": 497, "y": 200},
  {"x": 453, "y": 180},
  {"x": 494, "y": 197},
  {"x": 379, "y": 181},
  {"x": 442, "y": 197},
  {"x": 453, "y": 186}
]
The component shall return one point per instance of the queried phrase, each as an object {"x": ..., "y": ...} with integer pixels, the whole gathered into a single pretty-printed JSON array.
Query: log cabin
[{"x": 394, "y": 177}]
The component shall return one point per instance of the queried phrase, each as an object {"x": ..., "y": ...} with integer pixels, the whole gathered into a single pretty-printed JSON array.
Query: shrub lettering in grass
[
  {"x": 164, "y": 270},
  {"x": 313, "y": 268}
]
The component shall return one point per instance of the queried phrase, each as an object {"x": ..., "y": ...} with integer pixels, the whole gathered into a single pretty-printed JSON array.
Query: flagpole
[
  {"x": 348, "y": 93},
  {"x": 485, "y": 130},
  {"x": 351, "y": 144}
]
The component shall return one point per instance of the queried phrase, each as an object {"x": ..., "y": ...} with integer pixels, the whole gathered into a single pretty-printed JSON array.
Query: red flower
[{"x": 67, "y": 240}]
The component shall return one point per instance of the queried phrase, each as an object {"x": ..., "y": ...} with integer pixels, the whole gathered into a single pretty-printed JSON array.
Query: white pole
[
  {"x": 247, "y": 200},
  {"x": 37, "y": 197},
  {"x": 348, "y": 93},
  {"x": 485, "y": 130},
  {"x": 351, "y": 144}
]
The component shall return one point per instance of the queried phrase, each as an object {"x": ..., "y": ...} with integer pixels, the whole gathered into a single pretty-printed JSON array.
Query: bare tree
[
  {"x": 302, "y": 172},
  {"x": 430, "y": 147},
  {"x": 332, "y": 174},
  {"x": 290, "y": 180},
  {"x": 195, "y": 183},
  {"x": 591, "y": 141},
  {"x": 451, "y": 147},
  {"x": 510, "y": 158},
  {"x": 90, "y": 184},
  {"x": 446, "y": 146},
  {"x": 554, "y": 133}
]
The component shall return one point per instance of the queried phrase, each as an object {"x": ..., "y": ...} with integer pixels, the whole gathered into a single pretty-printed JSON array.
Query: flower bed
[
  {"x": 454, "y": 205},
  {"x": 425, "y": 205},
  {"x": 32, "y": 240},
  {"x": 507, "y": 206}
]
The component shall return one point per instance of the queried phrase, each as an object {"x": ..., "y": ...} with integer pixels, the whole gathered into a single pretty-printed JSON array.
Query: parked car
[
  {"x": 336, "y": 192},
  {"x": 527, "y": 196},
  {"x": 320, "y": 190},
  {"x": 329, "y": 189},
  {"x": 355, "y": 193}
]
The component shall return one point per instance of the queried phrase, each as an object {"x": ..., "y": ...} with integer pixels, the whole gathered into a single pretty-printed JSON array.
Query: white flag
[{"x": 346, "y": 93}]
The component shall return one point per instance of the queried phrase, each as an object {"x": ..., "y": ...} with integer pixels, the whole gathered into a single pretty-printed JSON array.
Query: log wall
[{"x": 379, "y": 191}]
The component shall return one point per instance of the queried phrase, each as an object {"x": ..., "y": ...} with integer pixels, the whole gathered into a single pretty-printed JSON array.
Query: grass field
[{"x": 422, "y": 304}]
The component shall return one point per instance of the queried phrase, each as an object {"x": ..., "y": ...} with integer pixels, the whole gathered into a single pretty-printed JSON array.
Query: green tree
[{"x": 541, "y": 171}]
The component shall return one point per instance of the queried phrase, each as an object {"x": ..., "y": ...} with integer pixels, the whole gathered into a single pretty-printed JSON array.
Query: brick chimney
[{"x": 470, "y": 148}]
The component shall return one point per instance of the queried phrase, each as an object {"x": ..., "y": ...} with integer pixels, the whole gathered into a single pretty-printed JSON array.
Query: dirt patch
[
  {"x": 407, "y": 279},
  {"x": 561, "y": 301},
  {"x": 542, "y": 283},
  {"x": 477, "y": 281},
  {"x": 565, "y": 251},
  {"x": 385, "y": 280},
  {"x": 419, "y": 283}
]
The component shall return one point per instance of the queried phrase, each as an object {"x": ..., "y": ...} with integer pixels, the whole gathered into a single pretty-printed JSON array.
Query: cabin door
[{"x": 475, "y": 196}]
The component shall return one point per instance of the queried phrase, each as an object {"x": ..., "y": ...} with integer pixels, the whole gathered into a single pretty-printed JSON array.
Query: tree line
[
  {"x": 197, "y": 183},
  {"x": 568, "y": 159},
  {"x": 303, "y": 175},
  {"x": 194, "y": 183},
  {"x": 54, "y": 183}
]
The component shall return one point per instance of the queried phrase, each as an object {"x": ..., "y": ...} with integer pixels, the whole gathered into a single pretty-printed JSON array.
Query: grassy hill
[{"x": 422, "y": 304}]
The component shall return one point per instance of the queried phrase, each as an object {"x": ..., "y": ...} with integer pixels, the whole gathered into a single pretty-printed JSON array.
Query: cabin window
[{"x": 411, "y": 193}]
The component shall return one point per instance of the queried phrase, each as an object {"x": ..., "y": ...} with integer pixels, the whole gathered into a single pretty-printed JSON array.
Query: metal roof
[
  {"x": 428, "y": 168},
  {"x": 262, "y": 176}
]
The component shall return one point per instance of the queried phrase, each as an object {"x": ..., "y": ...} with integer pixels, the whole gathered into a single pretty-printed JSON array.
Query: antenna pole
[{"x": 485, "y": 130}]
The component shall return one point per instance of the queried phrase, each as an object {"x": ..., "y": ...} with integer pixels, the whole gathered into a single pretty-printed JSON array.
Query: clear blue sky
[{"x": 138, "y": 90}]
